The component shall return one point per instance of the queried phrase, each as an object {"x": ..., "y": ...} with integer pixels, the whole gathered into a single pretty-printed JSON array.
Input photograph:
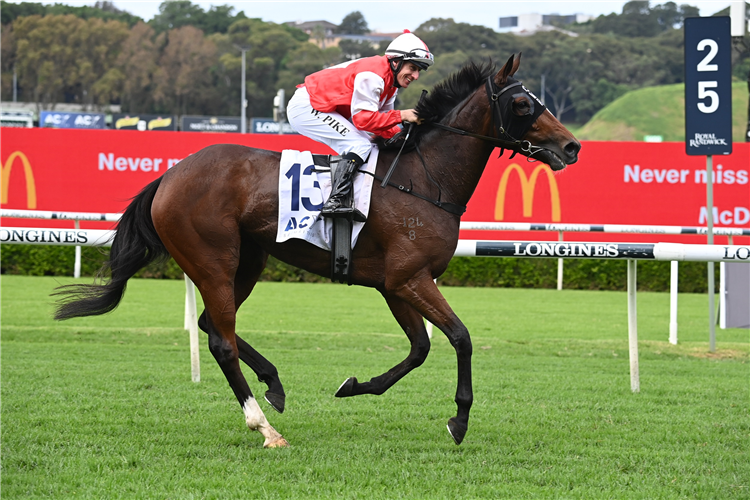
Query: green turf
[
  {"x": 656, "y": 110},
  {"x": 104, "y": 408}
]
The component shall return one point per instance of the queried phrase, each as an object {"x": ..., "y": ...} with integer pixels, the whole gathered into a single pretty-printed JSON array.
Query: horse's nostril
[{"x": 572, "y": 148}]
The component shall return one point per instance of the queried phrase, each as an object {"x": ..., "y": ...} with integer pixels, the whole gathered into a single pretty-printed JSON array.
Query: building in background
[
  {"x": 528, "y": 24},
  {"x": 324, "y": 34}
]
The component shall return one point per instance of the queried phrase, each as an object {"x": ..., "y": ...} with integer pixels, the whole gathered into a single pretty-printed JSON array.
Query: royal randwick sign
[{"x": 708, "y": 86}]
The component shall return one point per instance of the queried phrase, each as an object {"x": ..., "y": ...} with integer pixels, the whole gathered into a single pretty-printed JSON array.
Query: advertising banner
[
  {"x": 634, "y": 183},
  {"x": 122, "y": 121},
  {"x": 55, "y": 119},
  {"x": 269, "y": 126},
  {"x": 210, "y": 124},
  {"x": 613, "y": 182},
  {"x": 17, "y": 119}
]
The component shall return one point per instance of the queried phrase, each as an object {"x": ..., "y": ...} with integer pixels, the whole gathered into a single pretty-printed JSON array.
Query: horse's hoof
[
  {"x": 456, "y": 430},
  {"x": 280, "y": 442},
  {"x": 276, "y": 401},
  {"x": 347, "y": 388}
]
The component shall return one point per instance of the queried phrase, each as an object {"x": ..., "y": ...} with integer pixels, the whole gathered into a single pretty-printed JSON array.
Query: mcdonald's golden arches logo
[
  {"x": 29, "y": 174},
  {"x": 528, "y": 186}
]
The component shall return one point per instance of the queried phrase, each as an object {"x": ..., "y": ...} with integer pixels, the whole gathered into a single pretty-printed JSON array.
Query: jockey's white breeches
[{"x": 331, "y": 129}]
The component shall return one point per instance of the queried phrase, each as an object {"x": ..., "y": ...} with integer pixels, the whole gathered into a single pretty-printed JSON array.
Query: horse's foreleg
[
  {"x": 424, "y": 296},
  {"x": 413, "y": 325}
]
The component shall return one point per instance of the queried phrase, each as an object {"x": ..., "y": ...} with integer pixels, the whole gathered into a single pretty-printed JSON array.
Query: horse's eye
[{"x": 522, "y": 107}]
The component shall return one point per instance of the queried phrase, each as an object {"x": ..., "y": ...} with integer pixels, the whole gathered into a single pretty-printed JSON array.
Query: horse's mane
[{"x": 446, "y": 95}]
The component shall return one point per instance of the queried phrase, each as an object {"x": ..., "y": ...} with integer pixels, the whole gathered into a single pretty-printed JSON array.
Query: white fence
[
  {"x": 94, "y": 238},
  {"x": 632, "y": 252}
]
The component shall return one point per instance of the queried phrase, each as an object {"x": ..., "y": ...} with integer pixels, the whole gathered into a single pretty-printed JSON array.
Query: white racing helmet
[{"x": 408, "y": 47}]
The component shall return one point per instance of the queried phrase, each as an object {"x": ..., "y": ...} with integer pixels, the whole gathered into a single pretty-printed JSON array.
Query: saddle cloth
[{"x": 304, "y": 187}]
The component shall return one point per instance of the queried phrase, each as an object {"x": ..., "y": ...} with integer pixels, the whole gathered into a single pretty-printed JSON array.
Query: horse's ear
[{"x": 508, "y": 69}]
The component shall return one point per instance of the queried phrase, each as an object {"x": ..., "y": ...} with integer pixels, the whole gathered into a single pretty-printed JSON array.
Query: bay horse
[{"x": 216, "y": 213}]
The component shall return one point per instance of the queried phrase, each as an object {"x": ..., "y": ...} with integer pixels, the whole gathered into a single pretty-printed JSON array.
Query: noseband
[{"x": 502, "y": 113}]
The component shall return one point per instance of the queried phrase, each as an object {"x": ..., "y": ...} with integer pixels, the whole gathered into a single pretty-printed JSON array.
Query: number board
[{"x": 708, "y": 86}]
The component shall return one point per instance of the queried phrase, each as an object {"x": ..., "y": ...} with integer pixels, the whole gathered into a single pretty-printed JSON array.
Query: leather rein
[{"x": 505, "y": 141}]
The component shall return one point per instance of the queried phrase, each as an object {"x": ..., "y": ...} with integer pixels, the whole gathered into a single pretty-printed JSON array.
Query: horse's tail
[{"x": 135, "y": 245}]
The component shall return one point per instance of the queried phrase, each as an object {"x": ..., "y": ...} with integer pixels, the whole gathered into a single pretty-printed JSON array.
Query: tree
[
  {"x": 478, "y": 42},
  {"x": 638, "y": 19},
  {"x": 268, "y": 46},
  {"x": 101, "y": 9},
  {"x": 98, "y": 45},
  {"x": 67, "y": 59},
  {"x": 445, "y": 64},
  {"x": 184, "y": 80},
  {"x": 139, "y": 61},
  {"x": 176, "y": 14},
  {"x": 218, "y": 19},
  {"x": 353, "y": 24},
  {"x": 8, "y": 61},
  {"x": 9, "y": 12}
]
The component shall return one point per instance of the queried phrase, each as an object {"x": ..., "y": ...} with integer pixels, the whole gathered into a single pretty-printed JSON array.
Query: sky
[{"x": 391, "y": 16}]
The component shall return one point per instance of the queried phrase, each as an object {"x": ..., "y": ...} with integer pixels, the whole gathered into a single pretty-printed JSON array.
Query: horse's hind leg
[
  {"x": 413, "y": 325},
  {"x": 264, "y": 369},
  {"x": 212, "y": 264},
  {"x": 252, "y": 262}
]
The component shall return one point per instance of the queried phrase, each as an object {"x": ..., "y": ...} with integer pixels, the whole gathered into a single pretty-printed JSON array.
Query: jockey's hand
[{"x": 410, "y": 116}]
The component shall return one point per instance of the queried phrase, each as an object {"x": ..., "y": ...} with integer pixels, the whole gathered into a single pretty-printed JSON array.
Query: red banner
[
  {"x": 633, "y": 183},
  {"x": 613, "y": 183}
]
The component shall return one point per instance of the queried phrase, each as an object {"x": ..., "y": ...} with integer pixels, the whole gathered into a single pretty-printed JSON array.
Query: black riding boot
[{"x": 341, "y": 188}]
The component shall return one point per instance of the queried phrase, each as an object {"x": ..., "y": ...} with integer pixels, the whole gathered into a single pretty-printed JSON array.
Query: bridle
[
  {"x": 497, "y": 98},
  {"x": 502, "y": 113}
]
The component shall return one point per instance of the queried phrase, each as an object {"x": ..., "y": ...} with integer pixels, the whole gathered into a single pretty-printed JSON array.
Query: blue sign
[
  {"x": 708, "y": 86},
  {"x": 67, "y": 119}
]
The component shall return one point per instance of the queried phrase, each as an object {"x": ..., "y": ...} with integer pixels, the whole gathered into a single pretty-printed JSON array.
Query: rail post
[
  {"x": 191, "y": 324},
  {"x": 77, "y": 263},
  {"x": 635, "y": 381},
  {"x": 560, "y": 265},
  {"x": 673, "y": 287}
]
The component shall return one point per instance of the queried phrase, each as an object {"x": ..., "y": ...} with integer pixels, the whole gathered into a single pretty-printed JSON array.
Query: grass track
[{"x": 104, "y": 408}]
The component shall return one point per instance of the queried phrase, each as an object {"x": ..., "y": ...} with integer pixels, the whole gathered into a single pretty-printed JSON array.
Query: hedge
[{"x": 580, "y": 274}]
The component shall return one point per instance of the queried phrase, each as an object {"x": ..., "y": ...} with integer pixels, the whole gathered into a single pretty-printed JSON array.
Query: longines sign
[
  {"x": 567, "y": 250},
  {"x": 36, "y": 236},
  {"x": 582, "y": 250}
]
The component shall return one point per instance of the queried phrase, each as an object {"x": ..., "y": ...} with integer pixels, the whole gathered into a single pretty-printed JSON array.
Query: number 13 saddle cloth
[{"x": 303, "y": 188}]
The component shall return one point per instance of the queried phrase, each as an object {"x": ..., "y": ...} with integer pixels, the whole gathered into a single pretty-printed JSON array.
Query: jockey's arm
[
  {"x": 407, "y": 115},
  {"x": 367, "y": 114}
]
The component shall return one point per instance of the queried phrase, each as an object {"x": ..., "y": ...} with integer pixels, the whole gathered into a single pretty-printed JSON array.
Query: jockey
[{"x": 342, "y": 105}]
